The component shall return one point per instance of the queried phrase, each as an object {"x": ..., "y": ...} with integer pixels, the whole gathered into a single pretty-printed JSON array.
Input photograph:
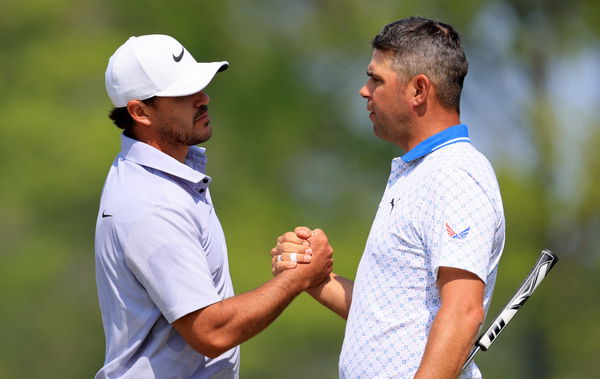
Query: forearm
[
  {"x": 450, "y": 340},
  {"x": 226, "y": 324},
  {"x": 335, "y": 293}
]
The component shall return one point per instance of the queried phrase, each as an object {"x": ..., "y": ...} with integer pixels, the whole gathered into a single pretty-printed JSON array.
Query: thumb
[{"x": 303, "y": 232}]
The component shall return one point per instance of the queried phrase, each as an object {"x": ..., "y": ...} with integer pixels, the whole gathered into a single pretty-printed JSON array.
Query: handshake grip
[{"x": 305, "y": 254}]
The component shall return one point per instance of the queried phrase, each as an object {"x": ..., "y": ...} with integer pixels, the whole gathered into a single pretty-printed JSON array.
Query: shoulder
[
  {"x": 460, "y": 171},
  {"x": 461, "y": 155},
  {"x": 133, "y": 191},
  {"x": 460, "y": 159}
]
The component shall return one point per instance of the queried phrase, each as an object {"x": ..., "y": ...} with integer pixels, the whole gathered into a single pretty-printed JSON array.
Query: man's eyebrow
[{"x": 373, "y": 75}]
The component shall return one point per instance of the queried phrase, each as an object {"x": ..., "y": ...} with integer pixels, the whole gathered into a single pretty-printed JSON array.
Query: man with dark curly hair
[{"x": 162, "y": 270}]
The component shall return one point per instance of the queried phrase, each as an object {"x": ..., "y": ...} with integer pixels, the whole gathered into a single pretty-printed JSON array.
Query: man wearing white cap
[{"x": 165, "y": 293}]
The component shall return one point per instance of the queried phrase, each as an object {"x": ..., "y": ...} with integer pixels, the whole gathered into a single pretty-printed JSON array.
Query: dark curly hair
[{"x": 121, "y": 117}]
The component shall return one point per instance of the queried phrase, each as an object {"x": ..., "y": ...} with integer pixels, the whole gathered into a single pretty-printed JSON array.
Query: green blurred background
[{"x": 292, "y": 145}]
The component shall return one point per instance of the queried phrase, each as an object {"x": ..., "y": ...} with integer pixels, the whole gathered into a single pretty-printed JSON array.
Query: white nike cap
[{"x": 155, "y": 65}]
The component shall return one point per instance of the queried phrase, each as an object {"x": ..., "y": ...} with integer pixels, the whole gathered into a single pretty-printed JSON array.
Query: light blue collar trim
[
  {"x": 456, "y": 133},
  {"x": 146, "y": 155}
]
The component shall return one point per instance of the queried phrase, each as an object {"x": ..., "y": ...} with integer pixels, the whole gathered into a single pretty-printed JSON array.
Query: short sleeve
[
  {"x": 459, "y": 228},
  {"x": 163, "y": 251}
]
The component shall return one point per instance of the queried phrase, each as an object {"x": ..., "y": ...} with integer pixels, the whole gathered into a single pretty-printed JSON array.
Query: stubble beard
[
  {"x": 176, "y": 132},
  {"x": 392, "y": 130}
]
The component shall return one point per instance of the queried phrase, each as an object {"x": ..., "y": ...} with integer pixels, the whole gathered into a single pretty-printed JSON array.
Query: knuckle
[{"x": 289, "y": 246}]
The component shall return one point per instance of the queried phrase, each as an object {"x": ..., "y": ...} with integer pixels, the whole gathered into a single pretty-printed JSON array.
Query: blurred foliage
[{"x": 292, "y": 145}]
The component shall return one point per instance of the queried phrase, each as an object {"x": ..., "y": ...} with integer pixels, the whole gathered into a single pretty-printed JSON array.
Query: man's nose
[
  {"x": 201, "y": 98},
  {"x": 364, "y": 92}
]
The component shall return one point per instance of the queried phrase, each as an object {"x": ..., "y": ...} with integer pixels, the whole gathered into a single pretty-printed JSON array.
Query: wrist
[
  {"x": 291, "y": 282},
  {"x": 315, "y": 291}
]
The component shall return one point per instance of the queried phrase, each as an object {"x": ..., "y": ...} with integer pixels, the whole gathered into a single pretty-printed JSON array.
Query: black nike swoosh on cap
[
  {"x": 105, "y": 215},
  {"x": 178, "y": 58}
]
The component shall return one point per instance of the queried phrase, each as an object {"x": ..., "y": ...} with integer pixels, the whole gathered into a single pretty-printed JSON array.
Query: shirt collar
[
  {"x": 148, "y": 156},
  {"x": 456, "y": 133}
]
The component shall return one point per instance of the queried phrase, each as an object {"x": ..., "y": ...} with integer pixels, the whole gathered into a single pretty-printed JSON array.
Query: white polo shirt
[
  {"x": 441, "y": 207},
  {"x": 160, "y": 254}
]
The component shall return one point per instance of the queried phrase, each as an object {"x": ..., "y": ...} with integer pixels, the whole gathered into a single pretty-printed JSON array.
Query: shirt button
[
  {"x": 205, "y": 180},
  {"x": 201, "y": 190}
]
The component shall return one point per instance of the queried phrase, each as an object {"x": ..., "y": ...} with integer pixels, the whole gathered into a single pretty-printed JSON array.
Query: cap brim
[{"x": 194, "y": 80}]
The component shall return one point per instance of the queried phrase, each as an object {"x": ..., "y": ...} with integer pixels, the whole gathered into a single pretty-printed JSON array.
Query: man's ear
[
  {"x": 422, "y": 88},
  {"x": 138, "y": 111}
]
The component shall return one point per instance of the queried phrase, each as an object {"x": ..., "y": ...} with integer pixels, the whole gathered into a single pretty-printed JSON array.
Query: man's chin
[
  {"x": 205, "y": 136},
  {"x": 377, "y": 131},
  {"x": 380, "y": 133}
]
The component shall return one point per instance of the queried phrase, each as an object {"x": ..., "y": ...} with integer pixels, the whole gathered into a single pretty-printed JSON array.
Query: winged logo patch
[{"x": 459, "y": 236}]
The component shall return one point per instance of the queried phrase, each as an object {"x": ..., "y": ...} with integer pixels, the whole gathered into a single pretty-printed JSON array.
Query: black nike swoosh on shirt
[
  {"x": 178, "y": 58},
  {"x": 105, "y": 215}
]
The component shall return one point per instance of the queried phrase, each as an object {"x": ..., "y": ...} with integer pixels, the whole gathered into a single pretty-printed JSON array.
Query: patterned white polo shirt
[{"x": 441, "y": 207}]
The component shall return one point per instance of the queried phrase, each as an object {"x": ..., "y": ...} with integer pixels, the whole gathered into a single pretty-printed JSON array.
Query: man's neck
[
  {"x": 178, "y": 152},
  {"x": 426, "y": 127}
]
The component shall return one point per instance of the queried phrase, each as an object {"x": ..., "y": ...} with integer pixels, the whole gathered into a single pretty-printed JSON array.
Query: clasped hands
[{"x": 306, "y": 251}]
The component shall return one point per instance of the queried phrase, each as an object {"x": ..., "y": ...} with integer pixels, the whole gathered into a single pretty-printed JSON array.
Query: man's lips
[{"x": 202, "y": 113}]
